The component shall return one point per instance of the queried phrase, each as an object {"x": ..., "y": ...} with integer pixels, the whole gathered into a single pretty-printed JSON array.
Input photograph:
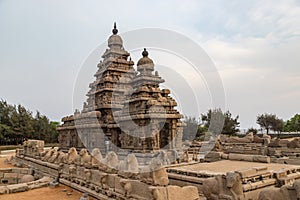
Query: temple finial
[
  {"x": 145, "y": 53},
  {"x": 115, "y": 30}
]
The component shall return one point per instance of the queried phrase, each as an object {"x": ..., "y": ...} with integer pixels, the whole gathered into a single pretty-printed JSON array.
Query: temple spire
[
  {"x": 145, "y": 53},
  {"x": 115, "y": 30}
]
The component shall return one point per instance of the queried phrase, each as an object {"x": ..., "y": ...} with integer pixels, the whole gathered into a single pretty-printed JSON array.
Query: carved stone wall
[{"x": 106, "y": 178}]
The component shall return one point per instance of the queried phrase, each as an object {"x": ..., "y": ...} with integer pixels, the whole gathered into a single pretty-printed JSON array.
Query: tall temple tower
[
  {"x": 106, "y": 93},
  {"x": 125, "y": 108}
]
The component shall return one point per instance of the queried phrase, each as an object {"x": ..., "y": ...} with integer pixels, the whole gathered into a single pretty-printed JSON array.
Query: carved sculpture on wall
[
  {"x": 60, "y": 158},
  {"x": 54, "y": 156},
  {"x": 128, "y": 167},
  {"x": 286, "y": 192},
  {"x": 234, "y": 184},
  {"x": 155, "y": 173},
  {"x": 49, "y": 153},
  {"x": 126, "y": 185},
  {"x": 71, "y": 156},
  {"x": 218, "y": 187},
  {"x": 96, "y": 157},
  {"x": 85, "y": 158},
  {"x": 111, "y": 160}
]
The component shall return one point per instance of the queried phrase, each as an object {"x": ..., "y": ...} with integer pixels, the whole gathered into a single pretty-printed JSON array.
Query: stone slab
[{"x": 17, "y": 188}]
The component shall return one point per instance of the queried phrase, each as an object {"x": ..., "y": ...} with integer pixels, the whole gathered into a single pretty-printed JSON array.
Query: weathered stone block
[
  {"x": 3, "y": 190},
  {"x": 9, "y": 180},
  {"x": 263, "y": 159},
  {"x": 17, "y": 188},
  {"x": 247, "y": 173},
  {"x": 178, "y": 193},
  {"x": 159, "y": 193},
  {"x": 160, "y": 177},
  {"x": 224, "y": 156},
  {"x": 95, "y": 176},
  {"x": 6, "y": 170},
  {"x": 241, "y": 157},
  {"x": 258, "y": 169},
  {"x": 280, "y": 174},
  {"x": 118, "y": 188},
  {"x": 16, "y": 170},
  {"x": 139, "y": 190},
  {"x": 11, "y": 175},
  {"x": 110, "y": 180}
]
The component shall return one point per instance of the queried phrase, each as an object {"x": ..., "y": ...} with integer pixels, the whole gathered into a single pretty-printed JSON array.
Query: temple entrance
[{"x": 164, "y": 135}]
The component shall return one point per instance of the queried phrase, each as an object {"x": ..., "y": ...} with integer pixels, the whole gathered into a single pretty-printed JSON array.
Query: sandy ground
[
  {"x": 45, "y": 193},
  {"x": 224, "y": 166},
  {"x": 3, "y": 157}
]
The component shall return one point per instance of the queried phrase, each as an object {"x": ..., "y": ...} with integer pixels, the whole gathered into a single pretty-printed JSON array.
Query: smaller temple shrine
[
  {"x": 125, "y": 108},
  {"x": 148, "y": 119}
]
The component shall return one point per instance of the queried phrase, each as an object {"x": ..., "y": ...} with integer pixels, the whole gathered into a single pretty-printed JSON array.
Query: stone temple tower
[
  {"x": 148, "y": 119},
  {"x": 125, "y": 109}
]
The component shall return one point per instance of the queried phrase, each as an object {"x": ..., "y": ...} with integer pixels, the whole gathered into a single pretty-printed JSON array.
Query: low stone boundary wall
[
  {"x": 21, "y": 187},
  {"x": 39, "y": 168},
  {"x": 213, "y": 156},
  {"x": 104, "y": 178},
  {"x": 13, "y": 175},
  {"x": 102, "y": 185},
  {"x": 249, "y": 158},
  {"x": 245, "y": 148}
]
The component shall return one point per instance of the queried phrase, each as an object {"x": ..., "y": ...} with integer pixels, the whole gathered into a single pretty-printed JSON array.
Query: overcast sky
[{"x": 254, "y": 45}]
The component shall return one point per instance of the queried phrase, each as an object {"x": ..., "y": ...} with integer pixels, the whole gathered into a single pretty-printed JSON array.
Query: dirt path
[{"x": 45, "y": 193}]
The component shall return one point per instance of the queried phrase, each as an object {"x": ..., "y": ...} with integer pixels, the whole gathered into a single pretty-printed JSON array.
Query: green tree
[
  {"x": 252, "y": 130},
  {"x": 278, "y": 125},
  {"x": 223, "y": 123},
  {"x": 22, "y": 122},
  {"x": 6, "y": 111},
  {"x": 191, "y": 128},
  {"x": 54, "y": 132},
  {"x": 270, "y": 122},
  {"x": 293, "y": 124},
  {"x": 17, "y": 123},
  {"x": 45, "y": 129}
]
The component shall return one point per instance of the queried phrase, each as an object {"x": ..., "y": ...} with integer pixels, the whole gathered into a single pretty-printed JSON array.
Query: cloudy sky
[{"x": 254, "y": 45}]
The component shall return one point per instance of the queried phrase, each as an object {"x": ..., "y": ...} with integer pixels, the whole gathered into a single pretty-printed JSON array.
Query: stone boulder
[{"x": 27, "y": 178}]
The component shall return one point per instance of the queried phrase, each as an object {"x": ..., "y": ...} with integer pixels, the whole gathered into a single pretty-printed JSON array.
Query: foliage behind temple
[{"x": 17, "y": 123}]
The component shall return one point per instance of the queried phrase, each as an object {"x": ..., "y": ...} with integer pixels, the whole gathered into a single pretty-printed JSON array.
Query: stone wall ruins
[
  {"x": 124, "y": 177},
  {"x": 106, "y": 177},
  {"x": 250, "y": 148},
  {"x": 240, "y": 184},
  {"x": 13, "y": 175}
]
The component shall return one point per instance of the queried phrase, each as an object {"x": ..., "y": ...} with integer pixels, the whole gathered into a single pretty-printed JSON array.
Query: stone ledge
[{"x": 21, "y": 187}]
